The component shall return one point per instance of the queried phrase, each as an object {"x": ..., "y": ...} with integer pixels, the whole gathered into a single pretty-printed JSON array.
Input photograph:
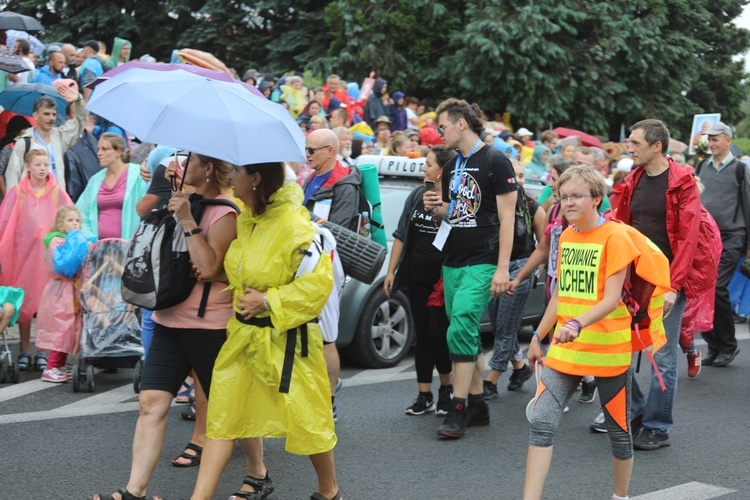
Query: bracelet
[
  {"x": 265, "y": 302},
  {"x": 193, "y": 231},
  {"x": 536, "y": 334},
  {"x": 574, "y": 324}
]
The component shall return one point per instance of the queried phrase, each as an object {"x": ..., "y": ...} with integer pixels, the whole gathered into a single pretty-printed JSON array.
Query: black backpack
[
  {"x": 158, "y": 272},
  {"x": 523, "y": 233}
]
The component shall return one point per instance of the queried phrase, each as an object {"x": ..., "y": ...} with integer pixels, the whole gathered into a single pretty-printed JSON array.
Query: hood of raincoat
[
  {"x": 504, "y": 147},
  {"x": 117, "y": 46},
  {"x": 377, "y": 89},
  {"x": 539, "y": 151}
]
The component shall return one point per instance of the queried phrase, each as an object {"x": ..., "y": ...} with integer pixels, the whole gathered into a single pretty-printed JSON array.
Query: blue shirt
[
  {"x": 315, "y": 184},
  {"x": 721, "y": 166},
  {"x": 45, "y": 76}
]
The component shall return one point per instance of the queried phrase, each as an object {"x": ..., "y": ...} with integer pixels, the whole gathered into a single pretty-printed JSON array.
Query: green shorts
[{"x": 467, "y": 294}]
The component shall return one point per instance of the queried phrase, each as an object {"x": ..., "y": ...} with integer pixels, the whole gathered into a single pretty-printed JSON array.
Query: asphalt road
[{"x": 60, "y": 444}]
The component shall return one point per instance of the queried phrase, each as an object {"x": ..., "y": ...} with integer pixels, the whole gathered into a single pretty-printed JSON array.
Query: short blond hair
[
  {"x": 63, "y": 212},
  {"x": 589, "y": 176},
  {"x": 33, "y": 153}
]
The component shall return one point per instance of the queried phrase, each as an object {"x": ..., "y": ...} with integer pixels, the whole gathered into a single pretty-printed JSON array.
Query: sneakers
[
  {"x": 444, "y": 402},
  {"x": 598, "y": 425},
  {"x": 518, "y": 377},
  {"x": 454, "y": 425},
  {"x": 55, "y": 375},
  {"x": 421, "y": 405},
  {"x": 477, "y": 413},
  {"x": 649, "y": 439},
  {"x": 694, "y": 363},
  {"x": 335, "y": 413},
  {"x": 490, "y": 390},
  {"x": 339, "y": 385},
  {"x": 588, "y": 392}
]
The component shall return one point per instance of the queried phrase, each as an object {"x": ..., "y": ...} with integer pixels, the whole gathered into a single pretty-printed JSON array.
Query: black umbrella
[
  {"x": 11, "y": 63},
  {"x": 14, "y": 21}
]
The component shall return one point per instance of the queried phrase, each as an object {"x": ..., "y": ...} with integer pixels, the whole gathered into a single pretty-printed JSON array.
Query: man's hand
[
  {"x": 669, "y": 300},
  {"x": 500, "y": 282},
  {"x": 70, "y": 94},
  {"x": 145, "y": 172}
]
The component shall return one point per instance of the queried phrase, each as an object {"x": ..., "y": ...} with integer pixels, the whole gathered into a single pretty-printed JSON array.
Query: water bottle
[{"x": 364, "y": 230}]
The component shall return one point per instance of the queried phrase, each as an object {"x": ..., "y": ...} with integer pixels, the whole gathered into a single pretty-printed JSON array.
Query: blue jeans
[
  {"x": 506, "y": 313},
  {"x": 657, "y": 410}
]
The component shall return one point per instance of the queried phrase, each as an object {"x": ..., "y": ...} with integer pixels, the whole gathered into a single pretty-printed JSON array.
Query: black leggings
[{"x": 431, "y": 324}]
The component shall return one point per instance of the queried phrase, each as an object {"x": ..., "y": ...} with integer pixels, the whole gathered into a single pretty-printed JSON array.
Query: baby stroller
[
  {"x": 111, "y": 333},
  {"x": 8, "y": 368}
]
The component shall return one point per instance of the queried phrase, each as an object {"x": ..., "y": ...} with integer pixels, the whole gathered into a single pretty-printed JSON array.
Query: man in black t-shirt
[{"x": 478, "y": 212}]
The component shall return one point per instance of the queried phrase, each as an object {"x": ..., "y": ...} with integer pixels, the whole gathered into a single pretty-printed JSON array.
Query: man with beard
[
  {"x": 345, "y": 148},
  {"x": 55, "y": 140}
]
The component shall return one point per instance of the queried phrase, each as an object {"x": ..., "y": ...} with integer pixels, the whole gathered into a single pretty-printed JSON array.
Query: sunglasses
[
  {"x": 312, "y": 151},
  {"x": 441, "y": 128}
]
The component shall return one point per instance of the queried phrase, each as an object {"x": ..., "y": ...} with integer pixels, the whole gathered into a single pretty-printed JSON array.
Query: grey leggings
[{"x": 559, "y": 387}]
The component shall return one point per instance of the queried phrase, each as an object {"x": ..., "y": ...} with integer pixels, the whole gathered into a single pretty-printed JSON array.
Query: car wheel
[{"x": 384, "y": 332}]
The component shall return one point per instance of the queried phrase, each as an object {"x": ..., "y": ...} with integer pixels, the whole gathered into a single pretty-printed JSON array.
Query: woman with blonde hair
[{"x": 185, "y": 340}]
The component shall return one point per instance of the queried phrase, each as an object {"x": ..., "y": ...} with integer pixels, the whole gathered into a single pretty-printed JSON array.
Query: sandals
[
  {"x": 183, "y": 397},
  {"x": 263, "y": 489},
  {"x": 189, "y": 413},
  {"x": 318, "y": 496},
  {"x": 125, "y": 494},
  {"x": 24, "y": 360},
  {"x": 40, "y": 361},
  {"x": 193, "y": 459}
]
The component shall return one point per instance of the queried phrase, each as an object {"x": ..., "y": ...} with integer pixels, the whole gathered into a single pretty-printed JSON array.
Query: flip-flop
[{"x": 183, "y": 397}]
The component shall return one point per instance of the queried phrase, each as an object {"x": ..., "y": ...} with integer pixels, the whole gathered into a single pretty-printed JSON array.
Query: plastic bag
[
  {"x": 437, "y": 297},
  {"x": 68, "y": 257}
]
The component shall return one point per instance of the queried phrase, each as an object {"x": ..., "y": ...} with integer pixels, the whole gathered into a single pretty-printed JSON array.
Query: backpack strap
[{"x": 204, "y": 299}]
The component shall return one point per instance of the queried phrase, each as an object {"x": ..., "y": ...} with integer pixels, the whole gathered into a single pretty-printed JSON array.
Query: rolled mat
[
  {"x": 371, "y": 189},
  {"x": 361, "y": 257}
]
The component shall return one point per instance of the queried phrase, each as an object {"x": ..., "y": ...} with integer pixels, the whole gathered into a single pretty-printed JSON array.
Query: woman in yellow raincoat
[{"x": 270, "y": 378}]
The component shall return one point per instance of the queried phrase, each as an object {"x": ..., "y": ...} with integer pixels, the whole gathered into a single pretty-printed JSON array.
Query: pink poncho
[{"x": 25, "y": 219}]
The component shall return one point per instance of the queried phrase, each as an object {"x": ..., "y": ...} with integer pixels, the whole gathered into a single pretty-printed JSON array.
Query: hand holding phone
[{"x": 430, "y": 185}]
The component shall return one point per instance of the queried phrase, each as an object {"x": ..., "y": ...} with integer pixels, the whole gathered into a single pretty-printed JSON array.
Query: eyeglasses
[
  {"x": 312, "y": 151},
  {"x": 575, "y": 197},
  {"x": 441, "y": 128}
]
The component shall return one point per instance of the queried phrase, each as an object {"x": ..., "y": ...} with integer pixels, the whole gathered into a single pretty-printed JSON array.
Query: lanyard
[
  {"x": 47, "y": 147},
  {"x": 457, "y": 174}
]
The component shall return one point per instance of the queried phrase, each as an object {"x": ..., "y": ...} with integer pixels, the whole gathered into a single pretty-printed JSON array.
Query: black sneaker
[
  {"x": 421, "y": 405},
  {"x": 649, "y": 439},
  {"x": 454, "y": 425},
  {"x": 588, "y": 392},
  {"x": 477, "y": 414},
  {"x": 490, "y": 390},
  {"x": 518, "y": 377},
  {"x": 444, "y": 403}
]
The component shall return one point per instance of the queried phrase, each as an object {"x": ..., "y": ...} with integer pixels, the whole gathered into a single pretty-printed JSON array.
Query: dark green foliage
[{"x": 589, "y": 64}]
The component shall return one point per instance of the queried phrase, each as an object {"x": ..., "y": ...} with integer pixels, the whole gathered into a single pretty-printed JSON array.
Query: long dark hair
[
  {"x": 16, "y": 124},
  {"x": 271, "y": 180}
]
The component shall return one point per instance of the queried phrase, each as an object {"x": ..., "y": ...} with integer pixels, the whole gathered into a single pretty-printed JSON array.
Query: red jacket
[{"x": 689, "y": 271}]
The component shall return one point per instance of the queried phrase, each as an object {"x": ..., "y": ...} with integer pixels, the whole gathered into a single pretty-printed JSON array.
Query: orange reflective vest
[{"x": 586, "y": 261}]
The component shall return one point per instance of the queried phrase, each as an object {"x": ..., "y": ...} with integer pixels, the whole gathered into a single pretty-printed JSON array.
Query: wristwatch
[
  {"x": 193, "y": 231},
  {"x": 265, "y": 302}
]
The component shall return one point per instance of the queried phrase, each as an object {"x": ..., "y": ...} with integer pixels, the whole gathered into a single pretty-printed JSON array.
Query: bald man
[
  {"x": 332, "y": 192},
  {"x": 69, "y": 51}
]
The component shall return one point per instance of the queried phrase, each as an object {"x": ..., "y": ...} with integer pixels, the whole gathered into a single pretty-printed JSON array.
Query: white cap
[
  {"x": 625, "y": 164},
  {"x": 523, "y": 131}
]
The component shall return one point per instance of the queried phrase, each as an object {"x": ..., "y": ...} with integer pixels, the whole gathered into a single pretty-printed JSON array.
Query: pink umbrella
[
  {"x": 586, "y": 139},
  {"x": 190, "y": 68}
]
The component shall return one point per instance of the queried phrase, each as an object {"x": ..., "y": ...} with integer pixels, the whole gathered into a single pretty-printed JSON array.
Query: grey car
[{"x": 377, "y": 332}]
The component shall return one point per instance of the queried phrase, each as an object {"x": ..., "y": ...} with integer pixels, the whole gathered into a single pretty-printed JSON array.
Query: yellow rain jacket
[{"x": 245, "y": 399}]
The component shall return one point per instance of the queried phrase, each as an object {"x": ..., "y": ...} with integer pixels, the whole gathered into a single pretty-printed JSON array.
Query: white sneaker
[{"x": 55, "y": 376}]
